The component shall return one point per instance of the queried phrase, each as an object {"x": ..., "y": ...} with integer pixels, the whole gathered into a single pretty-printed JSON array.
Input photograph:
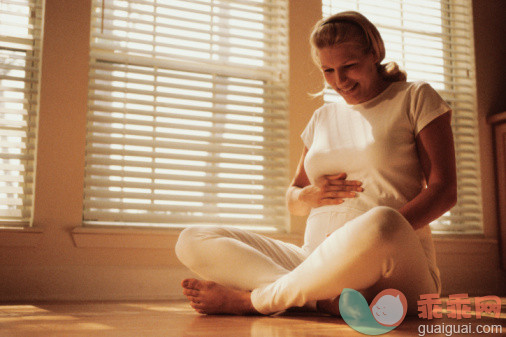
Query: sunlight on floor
[
  {"x": 177, "y": 318},
  {"x": 181, "y": 307}
]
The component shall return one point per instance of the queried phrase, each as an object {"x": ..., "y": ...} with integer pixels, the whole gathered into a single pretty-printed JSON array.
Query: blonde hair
[{"x": 353, "y": 26}]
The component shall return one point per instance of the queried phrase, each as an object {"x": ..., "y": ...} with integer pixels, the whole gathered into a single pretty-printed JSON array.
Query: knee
[
  {"x": 189, "y": 244},
  {"x": 385, "y": 223}
]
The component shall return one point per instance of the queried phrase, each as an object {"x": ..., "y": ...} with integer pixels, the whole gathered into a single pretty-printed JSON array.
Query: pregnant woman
[{"x": 376, "y": 169}]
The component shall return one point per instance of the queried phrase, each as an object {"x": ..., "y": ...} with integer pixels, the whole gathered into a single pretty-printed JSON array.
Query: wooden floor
[{"x": 167, "y": 319}]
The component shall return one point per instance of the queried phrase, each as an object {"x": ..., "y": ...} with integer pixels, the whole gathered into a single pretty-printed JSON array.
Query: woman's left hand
[{"x": 329, "y": 190}]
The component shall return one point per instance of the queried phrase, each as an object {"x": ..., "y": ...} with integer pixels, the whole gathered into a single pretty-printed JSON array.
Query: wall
[
  {"x": 489, "y": 32},
  {"x": 58, "y": 259},
  {"x": 305, "y": 78}
]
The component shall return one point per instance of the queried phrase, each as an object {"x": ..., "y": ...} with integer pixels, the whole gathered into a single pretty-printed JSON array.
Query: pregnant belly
[{"x": 323, "y": 221}]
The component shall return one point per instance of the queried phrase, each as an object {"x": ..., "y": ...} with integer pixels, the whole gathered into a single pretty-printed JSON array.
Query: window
[
  {"x": 432, "y": 41},
  {"x": 20, "y": 32},
  {"x": 187, "y": 118}
]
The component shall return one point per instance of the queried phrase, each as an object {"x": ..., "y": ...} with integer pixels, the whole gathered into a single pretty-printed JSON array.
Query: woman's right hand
[{"x": 330, "y": 190}]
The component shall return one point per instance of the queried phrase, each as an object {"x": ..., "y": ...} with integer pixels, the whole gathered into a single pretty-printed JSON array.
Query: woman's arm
[
  {"x": 437, "y": 157},
  {"x": 301, "y": 196}
]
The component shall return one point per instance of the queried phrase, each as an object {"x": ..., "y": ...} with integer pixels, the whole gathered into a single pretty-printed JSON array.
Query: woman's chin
[
  {"x": 352, "y": 96},
  {"x": 351, "y": 100}
]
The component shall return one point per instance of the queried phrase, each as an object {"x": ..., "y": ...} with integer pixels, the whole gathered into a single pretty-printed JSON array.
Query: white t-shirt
[{"x": 373, "y": 142}]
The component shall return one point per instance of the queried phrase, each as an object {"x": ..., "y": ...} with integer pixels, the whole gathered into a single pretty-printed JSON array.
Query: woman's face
[{"x": 351, "y": 72}]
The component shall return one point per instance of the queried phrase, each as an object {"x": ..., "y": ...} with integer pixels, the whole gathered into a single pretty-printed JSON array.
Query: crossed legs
[
  {"x": 376, "y": 250},
  {"x": 231, "y": 262}
]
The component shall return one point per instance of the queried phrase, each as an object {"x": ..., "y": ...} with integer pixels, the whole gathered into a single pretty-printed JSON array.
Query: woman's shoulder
[
  {"x": 414, "y": 90},
  {"x": 418, "y": 87},
  {"x": 413, "y": 86},
  {"x": 327, "y": 108}
]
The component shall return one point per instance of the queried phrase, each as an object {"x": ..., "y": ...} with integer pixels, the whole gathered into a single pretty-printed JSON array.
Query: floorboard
[{"x": 176, "y": 318}]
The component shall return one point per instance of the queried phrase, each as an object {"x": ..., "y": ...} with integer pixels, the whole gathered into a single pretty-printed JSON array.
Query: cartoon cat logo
[
  {"x": 386, "y": 312},
  {"x": 389, "y": 307}
]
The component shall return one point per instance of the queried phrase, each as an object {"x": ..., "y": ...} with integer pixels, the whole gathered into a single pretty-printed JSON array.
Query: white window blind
[
  {"x": 20, "y": 33},
  {"x": 433, "y": 41},
  {"x": 187, "y": 118}
]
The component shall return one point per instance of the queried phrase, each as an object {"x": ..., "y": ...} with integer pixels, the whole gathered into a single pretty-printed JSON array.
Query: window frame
[
  {"x": 30, "y": 45},
  {"x": 188, "y": 66}
]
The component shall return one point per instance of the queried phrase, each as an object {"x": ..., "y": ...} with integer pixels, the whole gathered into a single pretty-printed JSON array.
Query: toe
[
  {"x": 190, "y": 292},
  {"x": 191, "y": 283},
  {"x": 193, "y": 299},
  {"x": 197, "y": 305},
  {"x": 185, "y": 283}
]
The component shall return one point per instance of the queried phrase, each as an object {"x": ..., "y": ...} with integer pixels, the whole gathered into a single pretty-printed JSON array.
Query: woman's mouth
[{"x": 348, "y": 89}]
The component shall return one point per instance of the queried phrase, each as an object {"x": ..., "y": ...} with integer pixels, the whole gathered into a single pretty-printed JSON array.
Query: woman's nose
[{"x": 340, "y": 77}]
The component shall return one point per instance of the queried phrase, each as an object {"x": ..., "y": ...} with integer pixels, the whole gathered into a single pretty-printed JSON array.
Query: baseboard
[
  {"x": 470, "y": 265},
  {"x": 91, "y": 283}
]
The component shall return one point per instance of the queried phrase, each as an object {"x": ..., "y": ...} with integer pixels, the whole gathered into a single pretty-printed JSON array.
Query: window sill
[
  {"x": 152, "y": 238},
  {"x": 20, "y": 236},
  {"x": 104, "y": 237}
]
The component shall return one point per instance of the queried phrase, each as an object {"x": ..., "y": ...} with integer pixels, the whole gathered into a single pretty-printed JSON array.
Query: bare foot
[{"x": 208, "y": 297}]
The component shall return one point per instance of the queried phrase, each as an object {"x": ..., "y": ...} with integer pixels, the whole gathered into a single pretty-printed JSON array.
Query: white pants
[{"x": 374, "y": 251}]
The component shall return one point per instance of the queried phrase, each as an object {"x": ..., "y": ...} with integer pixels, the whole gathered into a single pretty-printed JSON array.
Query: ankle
[{"x": 247, "y": 304}]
